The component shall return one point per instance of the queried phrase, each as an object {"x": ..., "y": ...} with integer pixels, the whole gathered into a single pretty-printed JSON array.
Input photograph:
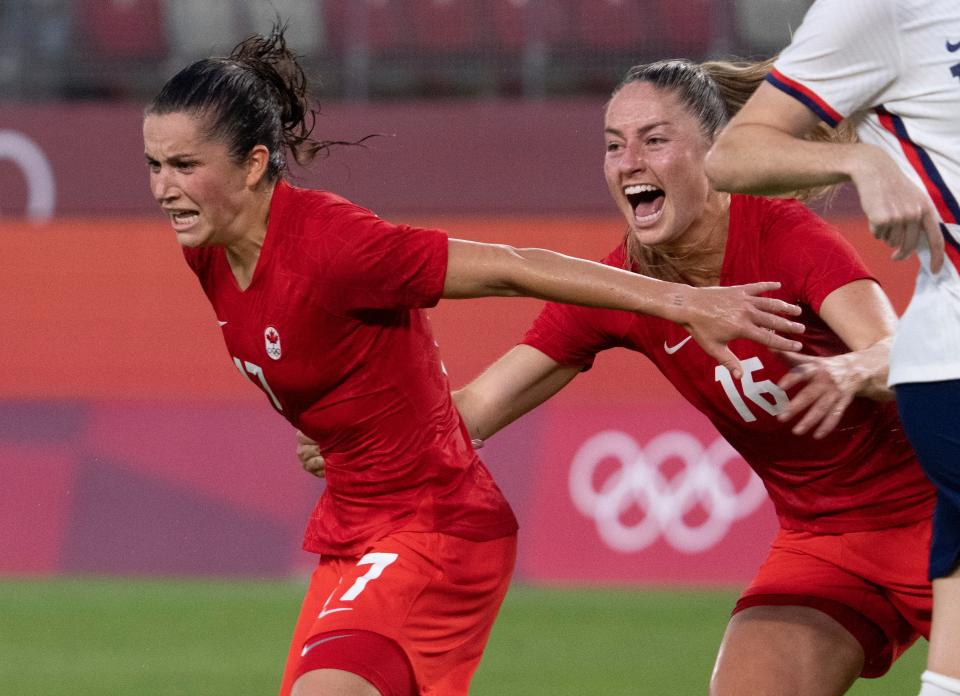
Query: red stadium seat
[
  {"x": 688, "y": 27},
  {"x": 122, "y": 29},
  {"x": 445, "y": 26},
  {"x": 385, "y": 24},
  {"x": 516, "y": 22},
  {"x": 617, "y": 25}
]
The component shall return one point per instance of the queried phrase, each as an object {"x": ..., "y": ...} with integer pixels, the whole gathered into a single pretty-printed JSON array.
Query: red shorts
[
  {"x": 436, "y": 595},
  {"x": 873, "y": 583}
]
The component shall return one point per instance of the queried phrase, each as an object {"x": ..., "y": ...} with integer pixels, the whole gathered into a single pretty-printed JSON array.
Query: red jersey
[
  {"x": 332, "y": 329},
  {"x": 863, "y": 475}
]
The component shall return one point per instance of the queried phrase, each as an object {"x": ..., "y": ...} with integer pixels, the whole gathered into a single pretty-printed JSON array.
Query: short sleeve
[
  {"x": 573, "y": 335},
  {"x": 841, "y": 59},
  {"x": 809, "y": 256},
  {"x": 371, "y": 264}
]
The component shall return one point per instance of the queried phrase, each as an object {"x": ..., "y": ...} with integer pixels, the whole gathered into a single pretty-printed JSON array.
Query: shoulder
[
  {"x": 774, "y": 217},
  {"x": 312, "y": 204},
  {"x": 198, "y": 258}
]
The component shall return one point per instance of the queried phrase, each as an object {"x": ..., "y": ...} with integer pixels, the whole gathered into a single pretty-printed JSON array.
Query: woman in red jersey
[
  {"x": 320, "y": 303},
  {"x": 843, "y": 591}
]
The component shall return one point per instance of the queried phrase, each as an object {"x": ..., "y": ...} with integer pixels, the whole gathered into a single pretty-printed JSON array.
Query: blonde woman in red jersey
[
  {"x": 320, "y": 305},
  {"x": 843, "y": 591}
]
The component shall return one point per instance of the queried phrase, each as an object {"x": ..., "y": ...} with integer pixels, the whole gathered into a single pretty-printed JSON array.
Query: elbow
[{"x": 716, "y": 166}]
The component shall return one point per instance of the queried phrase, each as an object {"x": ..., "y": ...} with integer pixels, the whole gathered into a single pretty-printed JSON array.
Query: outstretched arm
[
  {"x": 762, "y": 151},
  {"x": 713, "y": 316},
  {"x": 518, "y": 382},
  {"x": 861, "y": 315}
]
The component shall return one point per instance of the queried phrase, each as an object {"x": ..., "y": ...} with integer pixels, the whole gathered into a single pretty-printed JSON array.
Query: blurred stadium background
[{"x": 151, "y": 505}]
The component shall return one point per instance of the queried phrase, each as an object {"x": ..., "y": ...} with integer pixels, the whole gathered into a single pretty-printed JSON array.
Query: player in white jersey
[{"x": 892, "y": 67}]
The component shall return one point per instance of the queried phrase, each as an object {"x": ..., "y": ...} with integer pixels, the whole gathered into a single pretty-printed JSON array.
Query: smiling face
[
  {"x": 199, "y": 186},
  {"x": 654, "y": 166}
]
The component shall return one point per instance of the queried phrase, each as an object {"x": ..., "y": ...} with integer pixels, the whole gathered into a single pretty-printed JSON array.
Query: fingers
[
  {"x": 308, "y": 452},
  {"x": 316, "y": 465},
  {"x": 725, "y": 357},
  {"x": 772, "y": 340},
  {"x": 761, "y": 287},
  {"x": 800, "y": 372},
  {"x": 904, "y": 233},
  {"x": 829, "y": 423},
  {"x": 775, "y": 306},
  {"x": 935, "y": 239},
  {"x": 766, "y": 315}
]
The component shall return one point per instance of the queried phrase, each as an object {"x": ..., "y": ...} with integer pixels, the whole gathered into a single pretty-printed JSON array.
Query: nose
[
  {"x": 161, "y": 185},
  {"x": 632, "y": 159}
]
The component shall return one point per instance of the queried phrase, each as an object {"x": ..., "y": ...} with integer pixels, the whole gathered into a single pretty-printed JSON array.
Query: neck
[
  {"x": 698, "y": 255},
  {"x": 251, "y": 225}
]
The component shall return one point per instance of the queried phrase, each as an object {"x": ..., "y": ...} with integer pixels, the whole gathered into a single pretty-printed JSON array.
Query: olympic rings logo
[
  {"x": 31, "y": 160},
  {"x": 638, "y": 482}
]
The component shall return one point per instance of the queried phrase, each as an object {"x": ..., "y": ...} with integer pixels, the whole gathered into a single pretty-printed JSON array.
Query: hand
[
  {"x": 831, "y": 384},
  {"x": 899, "y": 213},
  {"x": 720, "y": 314},
  {"x": 308, "y": 452}
]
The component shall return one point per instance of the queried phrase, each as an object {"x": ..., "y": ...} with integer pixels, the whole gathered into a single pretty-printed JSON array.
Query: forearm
[
  {"x": 518, "y": 382},
  {"x": 760, "y": 159},
  {"x": 547, "y": 275}
]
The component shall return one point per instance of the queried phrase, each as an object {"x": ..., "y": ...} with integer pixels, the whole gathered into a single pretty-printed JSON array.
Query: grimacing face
[
  {"x": 194, "y": 179},
  {"x": 655, "y": 149}
]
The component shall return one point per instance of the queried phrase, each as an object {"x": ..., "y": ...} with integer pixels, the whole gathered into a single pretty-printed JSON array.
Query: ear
[{"x": 257, "y": 163}]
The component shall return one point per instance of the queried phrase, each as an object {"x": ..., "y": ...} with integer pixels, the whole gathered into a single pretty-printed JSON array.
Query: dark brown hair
[{"x": 255, "y": 96}]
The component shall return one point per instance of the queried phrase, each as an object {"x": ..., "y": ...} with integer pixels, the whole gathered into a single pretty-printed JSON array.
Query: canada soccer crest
[{"x": 271, "y": 339}]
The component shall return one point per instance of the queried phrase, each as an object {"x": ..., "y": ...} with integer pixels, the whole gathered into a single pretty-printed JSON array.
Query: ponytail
[{"x": 258, "y": 95}]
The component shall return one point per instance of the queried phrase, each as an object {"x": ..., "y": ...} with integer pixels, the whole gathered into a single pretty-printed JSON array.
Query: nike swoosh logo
[
  {"x": 221, "y": 323},
  {"x": 314, "y": 644},
  {"x": 953, "y": 47},
  {"x": 673, "y": 349},
  {"x": 324, "y": 612}
]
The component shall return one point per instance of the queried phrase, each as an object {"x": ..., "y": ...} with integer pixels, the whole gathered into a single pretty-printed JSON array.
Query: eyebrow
[
  {"x": 173, "y": 159},
  {"x": 642, "y": 129}
]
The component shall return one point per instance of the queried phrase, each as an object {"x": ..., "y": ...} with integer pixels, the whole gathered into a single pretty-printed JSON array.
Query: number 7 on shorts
[{"x": 377, "y": 562}]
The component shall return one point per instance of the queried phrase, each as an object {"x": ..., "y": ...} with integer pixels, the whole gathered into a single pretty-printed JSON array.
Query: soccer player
[
  {"x": 891, "y": 68},
  {"x": 843, "y": 591},
  {"x": 320, "y": 306}
]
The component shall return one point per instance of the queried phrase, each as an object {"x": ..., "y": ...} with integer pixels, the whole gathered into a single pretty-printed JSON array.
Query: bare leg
[
  {"x": 785, "y": 651},
  {"x": 944, "y": 654},
  {"x": 332, "y": 682}
]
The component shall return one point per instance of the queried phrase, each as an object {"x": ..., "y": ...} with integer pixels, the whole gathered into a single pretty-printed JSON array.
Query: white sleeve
[{"x": 843, "y": 56}]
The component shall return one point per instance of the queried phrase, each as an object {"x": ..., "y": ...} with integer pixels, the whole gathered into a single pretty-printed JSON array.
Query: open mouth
[
  {"x": 646, "y": 200},
  {"x": 183, "y": 219}
]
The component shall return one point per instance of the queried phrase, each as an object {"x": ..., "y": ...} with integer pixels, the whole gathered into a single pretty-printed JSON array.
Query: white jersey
[{"x": 894, "y": 66}]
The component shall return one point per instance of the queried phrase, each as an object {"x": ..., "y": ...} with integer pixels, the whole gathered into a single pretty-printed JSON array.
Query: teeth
[{"x": 638, "y": 188}]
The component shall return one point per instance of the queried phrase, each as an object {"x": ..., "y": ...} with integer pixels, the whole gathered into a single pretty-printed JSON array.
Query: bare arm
[
  {"x": 762, "y": 151},
  {"x": 713, "y": 316},
  {"x": 518, "y": 382},
  {"x": 861, "y": 315}
]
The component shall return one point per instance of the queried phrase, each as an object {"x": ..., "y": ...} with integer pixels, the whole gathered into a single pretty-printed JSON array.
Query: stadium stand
[{"x": 373, "y": 49}]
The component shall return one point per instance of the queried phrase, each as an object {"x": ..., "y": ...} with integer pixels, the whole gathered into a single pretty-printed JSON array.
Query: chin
[{"x": 191, "y": 239}]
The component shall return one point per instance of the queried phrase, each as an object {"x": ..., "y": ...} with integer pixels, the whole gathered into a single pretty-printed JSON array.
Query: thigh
[
  {"x": 928, "y": 412},
  {"x": 436, "y": 596},
  {"x": 464, "y": 605},
  {"x": 826, "y": 573},
  {"x": 797, "y": 650}
]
